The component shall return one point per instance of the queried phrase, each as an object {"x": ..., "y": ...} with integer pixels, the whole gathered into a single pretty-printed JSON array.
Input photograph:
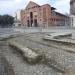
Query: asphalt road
[{"x": 6, "y": 30}]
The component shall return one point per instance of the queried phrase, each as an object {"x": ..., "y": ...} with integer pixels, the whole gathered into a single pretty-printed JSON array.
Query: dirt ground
[
  {"x": 5, "y": 67},
  {"x": 34, "y": 41}
]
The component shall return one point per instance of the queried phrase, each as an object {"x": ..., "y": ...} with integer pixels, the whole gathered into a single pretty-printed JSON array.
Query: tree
[{"x": 6, "y": 20}]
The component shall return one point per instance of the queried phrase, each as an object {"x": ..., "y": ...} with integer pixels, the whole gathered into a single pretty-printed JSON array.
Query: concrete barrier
[
  {"x": 60, "y": 35},
  {"x": 63, "y": 41},
  {"x": 41, "y": 29},
  {"x": 29, "y": 55}
]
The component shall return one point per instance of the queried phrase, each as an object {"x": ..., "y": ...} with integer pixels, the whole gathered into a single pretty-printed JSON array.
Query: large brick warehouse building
[{"x": 35, "y": 15}]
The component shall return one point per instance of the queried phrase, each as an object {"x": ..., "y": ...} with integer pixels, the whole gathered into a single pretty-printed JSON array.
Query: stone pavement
[
  {"x": 21, "y": 67},
  {"x": 58, "y": 57},
  {"x": 11, "y": 59},
  {"x": 29, "y": 55}
]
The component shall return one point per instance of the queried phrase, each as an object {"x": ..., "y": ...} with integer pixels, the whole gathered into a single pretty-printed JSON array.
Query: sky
[{"x": 11, "y": 6}]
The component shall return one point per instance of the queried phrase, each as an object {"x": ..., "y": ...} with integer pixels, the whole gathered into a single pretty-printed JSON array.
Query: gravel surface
[
  {"x": 33, "y": 41},
  {"x": 65, "y": 59},
  {"x": 5, "y": 67},
  {"x": 21, "y": 67}
]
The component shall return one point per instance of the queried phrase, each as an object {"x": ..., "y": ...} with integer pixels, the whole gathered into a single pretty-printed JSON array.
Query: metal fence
[{"x": 41, "y": 29}]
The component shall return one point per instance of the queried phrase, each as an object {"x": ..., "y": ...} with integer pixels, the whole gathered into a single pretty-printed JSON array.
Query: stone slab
[
  {"x": 65, "y": 40},
  {"x": 59, "y": 35},
  {"x": 29, "y": 55},
  {"x": 35, "y": 58}
]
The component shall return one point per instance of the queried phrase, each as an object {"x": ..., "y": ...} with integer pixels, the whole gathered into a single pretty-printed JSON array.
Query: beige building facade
[{"x": 35, "y": 15}]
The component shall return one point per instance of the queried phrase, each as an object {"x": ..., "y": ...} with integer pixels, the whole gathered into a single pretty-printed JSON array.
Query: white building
[
  {"x": 17, "y": 18},
  {"x": 72, "y": 19},
  {"x": 18, "y": 15},
  {"x": 72, "y": 10}
]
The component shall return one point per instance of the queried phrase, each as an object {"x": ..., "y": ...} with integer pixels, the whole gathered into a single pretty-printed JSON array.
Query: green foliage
[{"x": 6, "y": 20}]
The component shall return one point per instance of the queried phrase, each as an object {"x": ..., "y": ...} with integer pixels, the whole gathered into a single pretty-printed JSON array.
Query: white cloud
[
  {"x": 11, "y": 6},
  {"x": 62, "y": 6},
  {"x": 18, "y": 1}
]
